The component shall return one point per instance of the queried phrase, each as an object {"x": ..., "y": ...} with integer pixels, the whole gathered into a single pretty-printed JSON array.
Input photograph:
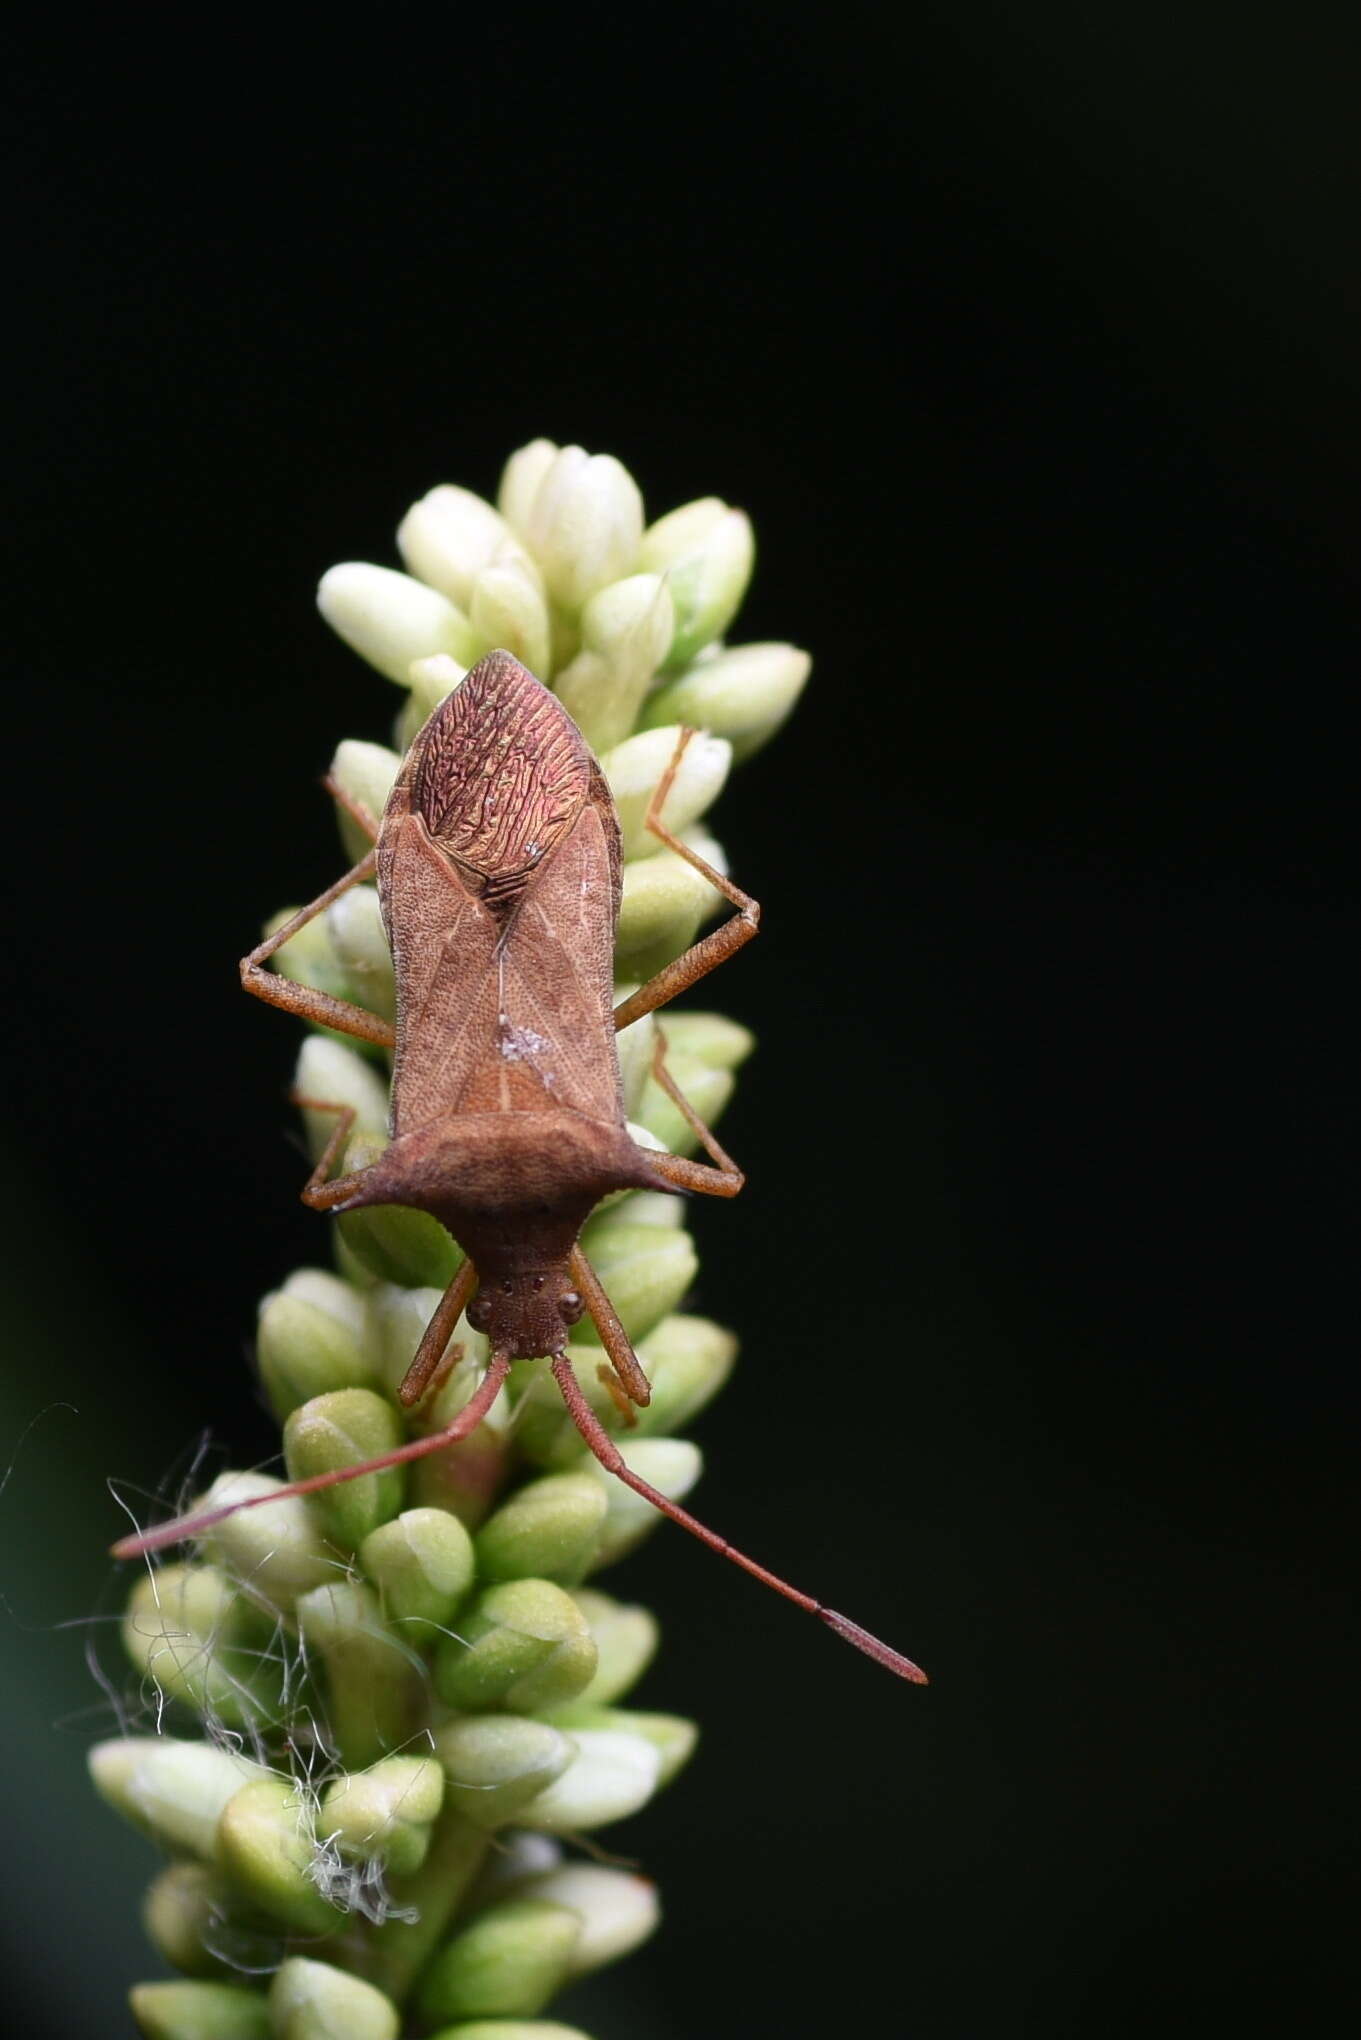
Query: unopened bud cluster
[{"x": 383, "y": 1713}]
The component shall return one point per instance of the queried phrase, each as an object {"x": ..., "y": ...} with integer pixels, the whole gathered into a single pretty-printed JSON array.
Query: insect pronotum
[{"x": 499, "y": 874}]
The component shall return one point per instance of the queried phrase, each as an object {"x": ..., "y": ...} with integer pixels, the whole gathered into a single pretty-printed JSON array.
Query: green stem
[{"x": 398, "y": 1951}]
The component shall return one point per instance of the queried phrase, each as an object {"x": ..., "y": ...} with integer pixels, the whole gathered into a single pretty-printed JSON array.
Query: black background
[{"x": 1031, "y": 349}]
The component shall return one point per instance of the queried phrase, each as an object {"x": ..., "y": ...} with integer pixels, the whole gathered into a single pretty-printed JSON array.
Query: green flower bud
[
  {"x": 349, "y": 1265},
  {"x": 626, "y": 1641},
  {"x": 646, "y": 1270},
  {"x": 686, "y": 1360},
  {"x": 509, "y": 1960},
  {"x": 635, "y": 1046},
  {"x": 510, "y": 2029},
  {"x": 651, "y": 1207},
  {"x": 310, "y": 958},
  {"x": 422, "y": 1564},
  {"x": 706, "y": 552},
  {"x": 496, "y": 1763},
  {"x": 671, "y": 1735},
  {"x": 174, "y": 1791},
  {"x": 617, "y": 1910},
  {"x": 625, "y": 632},
  {"x": 385, "y": 1812},
  {"x": 634, "y": 770},
  {"x": 313, "y": 2001},
  {"x": 709, "y": 1038},
  {"x": 672, "y": 1465},
  {"x": 374, "y": 1683},
  {"x": 518, "y": 1855},
  {"x": 395, "y": 1322},
  {"x": 522, "y": 1646},
  {"x": 547, "y": 1530},
  {"x": 520, "y": 479},
  {"x": 448, "y": 537},
  {"x": 663, "y": 901},
  {"x": 354, "y": 924},
  {"x": 310, "y": 1339},
  {"x": 277, "y": 1550},
  {"x": 341, "y": 1429},
  {"x": 267, "y": 1847},
  {"x": 707, "y": 1090},
  {"x": 743, "y": 695},
  {"x": 583, "y": 524},
  {"x": 612, "y": 1775},
  {"x": 389, "y": 619},
  {"x": 508, "y": 610},
  {"x": 199, "y": 2011},
  {"x": 336, "y": 1075},
  {"x": 190, "y": 1915},
  {"x": 191, "y": 1631},
  {"x": 394, "y": 1242},
  {"x": 366, "y": 771},
  {"x": 464, "y": 1478}
]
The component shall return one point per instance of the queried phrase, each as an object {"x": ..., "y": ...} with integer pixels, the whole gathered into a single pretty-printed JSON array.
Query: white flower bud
[
  {"x": 584, "y": 524},
  {"x": 354, "y": 923},
  {"x": 520, "y": 479},
  {"x": 175, "y": 1790},
  {"x": 634, "y": 770},
  {"x": 617, "y": 1909},
  {"x": 706, "y": 551},
  {"x": 448, "y": 537},
  {"x": 744, "y": 694},
  {"x": 366, "y": 771},
  {"x": 610, "y": 1777},
  {"x": 389, "y": 619},
  {"x": 672, "y": 1465},
  {"x": 507, "y": 609},
  {"x": 333, "y": 1074}
]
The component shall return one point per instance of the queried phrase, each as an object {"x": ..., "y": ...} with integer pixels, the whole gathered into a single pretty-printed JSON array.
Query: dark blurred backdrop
[{"x": 1030, "y": 344}]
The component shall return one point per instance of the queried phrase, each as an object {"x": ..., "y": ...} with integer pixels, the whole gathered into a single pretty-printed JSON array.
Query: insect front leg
[
  {"x": 429, "y": 1355},
  {"x": 319, "y": 1007},
  {"x": 711, "y": 950}
]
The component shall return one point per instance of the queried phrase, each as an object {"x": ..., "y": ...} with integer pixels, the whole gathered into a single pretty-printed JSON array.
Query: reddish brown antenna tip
[{"x": 893, "y": 1660}]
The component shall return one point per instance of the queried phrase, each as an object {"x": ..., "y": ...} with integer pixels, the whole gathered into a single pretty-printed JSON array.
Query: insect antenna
[
  {"x": 197, "y": 1521},
  {"x": 610, "y": 1457}
]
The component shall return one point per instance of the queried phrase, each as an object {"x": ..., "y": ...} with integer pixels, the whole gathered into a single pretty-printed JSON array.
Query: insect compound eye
[
  {"x": 479, "y": 1313},
  {"x": 571, "y": 1306}
]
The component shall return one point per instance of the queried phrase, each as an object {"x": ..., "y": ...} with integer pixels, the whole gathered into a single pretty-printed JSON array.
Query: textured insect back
[
  {"x": 369, "y": 1733},
  {"x": 498, "y": 775}
]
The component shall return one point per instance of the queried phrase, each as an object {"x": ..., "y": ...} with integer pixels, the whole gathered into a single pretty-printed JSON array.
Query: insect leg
[
  {"x": 355, "y": 809},
  {"x": 613, "y": 1337},
  {"x": 197, "y": 1521},
  {"x": 302, "y": 999},
  {"x": 711, "y": 950},
  {"x": 610, "y": 1457},
  {"x": 724, "y": 1180},
  {"x": 435, "y": 1337}
]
